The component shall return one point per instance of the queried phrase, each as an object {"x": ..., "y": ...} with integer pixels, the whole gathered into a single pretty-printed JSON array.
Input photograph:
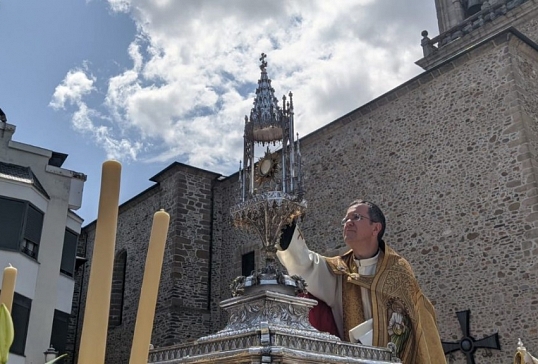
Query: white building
[{"x": 38, "y": 236}]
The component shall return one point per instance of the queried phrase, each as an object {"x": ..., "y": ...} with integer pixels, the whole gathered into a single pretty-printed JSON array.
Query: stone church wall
[
  {"x": 526, "y": 78},
  {"x": 444, "y": 156},
  {"x": 527, "y": 22},
  {"x": 182, "y": 312},
  {"x": 450, "y": 156}
]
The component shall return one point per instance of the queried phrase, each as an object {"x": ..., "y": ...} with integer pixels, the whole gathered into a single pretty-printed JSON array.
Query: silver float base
[{"x": 270, "y": 327}]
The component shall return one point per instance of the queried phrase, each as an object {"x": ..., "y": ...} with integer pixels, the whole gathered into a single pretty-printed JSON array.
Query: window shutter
[
  {"x": 34, "y": 225},
  {"x": 11, "y": 222},
  {"x": 69, "y": 253},
  {"x": 20, "y": 313},
  {"x": 58, "y": 337}
]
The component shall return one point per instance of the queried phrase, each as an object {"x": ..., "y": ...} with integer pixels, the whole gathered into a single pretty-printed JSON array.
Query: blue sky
[{"x": 150, "y": 82}]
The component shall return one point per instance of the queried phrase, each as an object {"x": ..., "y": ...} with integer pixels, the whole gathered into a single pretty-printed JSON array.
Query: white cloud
[
  {"x": 120, "y": 5},
  {"x": 195, "y": 68},
  {"x": 70, "y": 92},
  {"x": 75, "y": 85}
]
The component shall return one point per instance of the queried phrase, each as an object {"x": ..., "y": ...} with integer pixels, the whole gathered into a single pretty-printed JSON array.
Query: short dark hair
[{"x": 375, "y": 214}]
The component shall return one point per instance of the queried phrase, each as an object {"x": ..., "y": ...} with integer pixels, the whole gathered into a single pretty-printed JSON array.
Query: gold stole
[{"x": 352, "y": 310}]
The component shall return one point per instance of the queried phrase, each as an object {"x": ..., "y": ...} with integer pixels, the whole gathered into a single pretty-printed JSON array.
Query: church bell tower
[
  {"x": 465, "y": 23},
  {"x": 451, "y": 13}
]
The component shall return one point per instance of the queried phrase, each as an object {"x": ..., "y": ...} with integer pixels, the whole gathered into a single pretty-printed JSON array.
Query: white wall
[
  {"x": 17, "y": 359},
  {"x": 27, "y": 269},
  {"x": 64, "y": 295},
  {"x": 41, "y": 281},
  {"x": 23, "y": 191}
]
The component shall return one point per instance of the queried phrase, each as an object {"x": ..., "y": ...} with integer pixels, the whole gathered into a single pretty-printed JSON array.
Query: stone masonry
[
  {"x": 182, "y": 312},
  {"x": 450, "y": 156}
]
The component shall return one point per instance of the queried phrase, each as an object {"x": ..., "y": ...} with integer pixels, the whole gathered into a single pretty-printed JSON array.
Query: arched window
[
  {"x": 472, "y": 7},
  {"x": 118, "y": 289}
]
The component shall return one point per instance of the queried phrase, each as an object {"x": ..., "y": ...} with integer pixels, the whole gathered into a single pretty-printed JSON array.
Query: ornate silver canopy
[{"x": 269, "y": 124}]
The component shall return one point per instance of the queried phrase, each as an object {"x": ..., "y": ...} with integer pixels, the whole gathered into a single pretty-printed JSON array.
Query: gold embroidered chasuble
[{"x": 401, "y": 313}]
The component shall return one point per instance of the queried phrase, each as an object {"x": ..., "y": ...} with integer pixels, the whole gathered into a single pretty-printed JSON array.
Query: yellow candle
[
  {"x": 150, "y": 289},
  {"x": 8, "y": 286},
  {"x": 95, "y": 324}
]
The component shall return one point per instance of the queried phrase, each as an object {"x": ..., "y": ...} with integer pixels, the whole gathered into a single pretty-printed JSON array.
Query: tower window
[
  {"x": 472, "y": 7},
  {"x": 118, "y": 289},
  {"x": 247, "y": 264}
]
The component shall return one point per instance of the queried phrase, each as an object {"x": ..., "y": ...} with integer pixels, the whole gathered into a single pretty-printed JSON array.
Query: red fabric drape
[{"x": 321, "y": 317}]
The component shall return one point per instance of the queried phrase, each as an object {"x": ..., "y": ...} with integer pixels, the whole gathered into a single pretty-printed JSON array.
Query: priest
[{"x": 370, "y": 292}]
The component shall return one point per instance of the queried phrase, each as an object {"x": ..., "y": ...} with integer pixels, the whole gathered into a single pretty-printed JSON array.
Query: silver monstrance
[{"x": 271, "y": 184}]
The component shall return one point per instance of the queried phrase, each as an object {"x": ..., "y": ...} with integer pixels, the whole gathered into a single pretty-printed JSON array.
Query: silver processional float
[{"x": 268, "y": 319}]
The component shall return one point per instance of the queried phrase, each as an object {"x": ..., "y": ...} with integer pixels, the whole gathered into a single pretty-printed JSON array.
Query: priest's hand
[{"x": 285, "y": 237}]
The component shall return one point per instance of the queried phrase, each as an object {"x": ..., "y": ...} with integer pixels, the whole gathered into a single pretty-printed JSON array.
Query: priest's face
[{"x": 360, "y": 233}]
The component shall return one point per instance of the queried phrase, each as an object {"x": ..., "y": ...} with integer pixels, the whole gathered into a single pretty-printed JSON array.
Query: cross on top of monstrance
[{"x": 272, "y": 192}]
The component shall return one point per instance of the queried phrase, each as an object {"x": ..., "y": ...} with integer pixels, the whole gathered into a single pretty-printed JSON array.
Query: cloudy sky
[{"x": 150, "y": 82}]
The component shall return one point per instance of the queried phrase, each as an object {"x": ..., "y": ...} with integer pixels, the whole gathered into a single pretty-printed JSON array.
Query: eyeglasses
[{"x": 355, "y": 217}]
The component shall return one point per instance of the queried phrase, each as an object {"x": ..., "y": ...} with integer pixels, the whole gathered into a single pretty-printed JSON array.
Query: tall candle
[
  {"x": 8, "y": 286},
  {"x": 150, "y": 289},
  {"x": 95, "y": 324}
]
